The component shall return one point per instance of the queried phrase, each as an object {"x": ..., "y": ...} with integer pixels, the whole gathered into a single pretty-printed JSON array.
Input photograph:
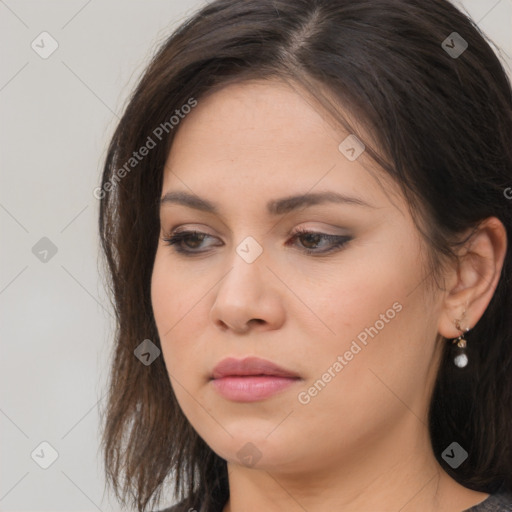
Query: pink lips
[{"x": 250, "y": 379}]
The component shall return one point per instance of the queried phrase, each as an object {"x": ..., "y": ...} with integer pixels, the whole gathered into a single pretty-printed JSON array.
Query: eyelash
[{"x": 176, "y": 239}]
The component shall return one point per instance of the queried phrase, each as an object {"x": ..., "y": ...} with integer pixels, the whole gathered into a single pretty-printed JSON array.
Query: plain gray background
[{"x": 57, "y": 115}]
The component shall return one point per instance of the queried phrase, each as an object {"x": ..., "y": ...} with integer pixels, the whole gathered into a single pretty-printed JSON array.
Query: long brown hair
[{"x": 443, "y": 127}]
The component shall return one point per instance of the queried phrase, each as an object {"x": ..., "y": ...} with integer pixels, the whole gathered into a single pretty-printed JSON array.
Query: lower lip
[{"x": 251, "y": 389}]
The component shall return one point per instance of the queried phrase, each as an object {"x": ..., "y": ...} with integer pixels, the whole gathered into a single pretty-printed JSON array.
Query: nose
[{"x": 248, "y": 297}]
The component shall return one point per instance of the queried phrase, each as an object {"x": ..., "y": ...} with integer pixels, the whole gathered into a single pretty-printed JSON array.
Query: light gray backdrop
[{"x": 59, "y": 106}]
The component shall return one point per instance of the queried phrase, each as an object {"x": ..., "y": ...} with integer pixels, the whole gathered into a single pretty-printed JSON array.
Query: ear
[{"x": 472, "y": 281}]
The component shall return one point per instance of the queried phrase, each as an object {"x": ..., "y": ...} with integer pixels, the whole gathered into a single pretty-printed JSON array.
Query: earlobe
[{"x": 477, "y": 276}]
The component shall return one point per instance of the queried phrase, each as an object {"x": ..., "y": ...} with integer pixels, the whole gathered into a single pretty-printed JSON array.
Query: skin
[{"x": 362, "y": 442}]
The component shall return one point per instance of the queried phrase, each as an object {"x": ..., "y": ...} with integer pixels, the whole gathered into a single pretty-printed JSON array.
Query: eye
[
  {"x": 188, "y": 242},
  {"x": 313, "y": 238},
  {"x": 178, "y": 239}
]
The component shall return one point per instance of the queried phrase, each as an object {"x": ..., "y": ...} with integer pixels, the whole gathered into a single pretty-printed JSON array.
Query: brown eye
[
  {"x": 310, "y": 241},
  {"x": 186, "y": 241}
]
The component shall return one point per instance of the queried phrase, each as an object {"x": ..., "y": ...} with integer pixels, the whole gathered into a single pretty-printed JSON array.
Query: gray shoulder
[{"x": 499, "y": 502}]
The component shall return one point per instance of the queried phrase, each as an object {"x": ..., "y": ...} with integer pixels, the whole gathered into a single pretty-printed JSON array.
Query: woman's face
[{"x": 352, "y": 318}]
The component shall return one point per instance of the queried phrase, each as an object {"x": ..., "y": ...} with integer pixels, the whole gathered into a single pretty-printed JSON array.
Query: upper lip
[{"x": 249, "y": 366}]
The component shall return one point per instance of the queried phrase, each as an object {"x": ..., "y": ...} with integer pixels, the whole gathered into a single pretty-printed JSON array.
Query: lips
[
  {"x": 250, "y": 366},
  {"x": 251, "y": 379}
]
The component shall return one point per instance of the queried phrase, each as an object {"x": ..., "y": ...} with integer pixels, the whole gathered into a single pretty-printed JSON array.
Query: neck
[{"x": 387, "y": 473}]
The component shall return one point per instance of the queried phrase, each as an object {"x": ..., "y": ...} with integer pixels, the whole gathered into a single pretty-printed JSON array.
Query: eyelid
[
  {"x": 203, "y": 229},
  {"x": 185, "y": 228}
]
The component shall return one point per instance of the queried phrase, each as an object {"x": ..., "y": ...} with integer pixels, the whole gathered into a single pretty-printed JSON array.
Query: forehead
[
  {"x": 265, "y": 135},
  {"x": 255, "y": 116}
]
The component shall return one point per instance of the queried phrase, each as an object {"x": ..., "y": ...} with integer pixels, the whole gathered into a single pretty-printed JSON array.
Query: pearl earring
[{"x": 461, "y": 358}]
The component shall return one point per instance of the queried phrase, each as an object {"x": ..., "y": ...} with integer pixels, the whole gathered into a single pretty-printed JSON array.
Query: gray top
[{"x": 500, "y": 501}]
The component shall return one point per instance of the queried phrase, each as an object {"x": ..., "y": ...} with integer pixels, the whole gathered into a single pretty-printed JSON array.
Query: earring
[{"x": 461, "y": 358}]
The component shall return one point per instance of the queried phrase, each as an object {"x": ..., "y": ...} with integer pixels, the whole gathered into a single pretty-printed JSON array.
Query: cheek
[
  {"x": 169, "y": 306},
  {"x": 169, "y": 303},
  {"x": 178, "y": 305},
  {"x": 345, "y": 299},
  {"x": 172, "y": 294},
  {"x": 371, "y": 311}
]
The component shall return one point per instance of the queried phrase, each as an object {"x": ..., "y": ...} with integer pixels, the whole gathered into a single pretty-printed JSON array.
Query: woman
[{"x": 305, "y": 212}]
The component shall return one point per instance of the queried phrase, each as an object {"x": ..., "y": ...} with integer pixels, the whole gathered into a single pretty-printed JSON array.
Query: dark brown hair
[{"x": 443, "y": 130}]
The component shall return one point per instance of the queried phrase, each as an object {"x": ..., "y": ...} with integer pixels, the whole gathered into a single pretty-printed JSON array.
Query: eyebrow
[{"x": 274, "y": 207}]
